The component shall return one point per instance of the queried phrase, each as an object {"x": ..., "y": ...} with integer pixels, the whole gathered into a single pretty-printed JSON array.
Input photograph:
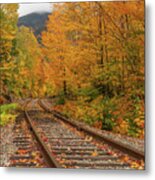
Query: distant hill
[{"x": 36, "y": 21}]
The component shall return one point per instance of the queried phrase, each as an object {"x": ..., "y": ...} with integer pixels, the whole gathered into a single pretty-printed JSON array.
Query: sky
[{"x": 35, "y": 7}]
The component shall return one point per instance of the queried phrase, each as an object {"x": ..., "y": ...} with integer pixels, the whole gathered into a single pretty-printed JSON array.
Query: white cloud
[{"x": 34, "y": 7}]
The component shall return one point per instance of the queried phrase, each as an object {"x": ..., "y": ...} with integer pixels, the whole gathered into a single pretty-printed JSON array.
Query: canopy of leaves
[
  {"x": 97, "y": 60},
  {"x": 91, "y": 57}
]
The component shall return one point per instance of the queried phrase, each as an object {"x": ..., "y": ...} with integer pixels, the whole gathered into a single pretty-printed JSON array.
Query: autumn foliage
[{"x": 91, "y": 57}]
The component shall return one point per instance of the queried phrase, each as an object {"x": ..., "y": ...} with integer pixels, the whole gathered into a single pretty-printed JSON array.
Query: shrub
[{"x": 6, "y": 115}]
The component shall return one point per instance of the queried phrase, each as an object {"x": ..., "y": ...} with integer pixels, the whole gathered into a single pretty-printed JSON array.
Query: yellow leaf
[{"x": 95, "y": 153}]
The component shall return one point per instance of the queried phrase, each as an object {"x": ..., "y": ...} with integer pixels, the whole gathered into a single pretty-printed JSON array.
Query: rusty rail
[{"x": 49, "y": 159}]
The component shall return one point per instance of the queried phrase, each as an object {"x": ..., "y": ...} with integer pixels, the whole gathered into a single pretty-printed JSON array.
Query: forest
[{"x": 90, "y": 59}]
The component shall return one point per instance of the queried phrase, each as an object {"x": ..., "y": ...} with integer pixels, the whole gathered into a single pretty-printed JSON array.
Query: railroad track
[
  {"x": 63, "y": 144},
  {"x": 29, "y": 150},
  {"x": 118, "y": 145}
]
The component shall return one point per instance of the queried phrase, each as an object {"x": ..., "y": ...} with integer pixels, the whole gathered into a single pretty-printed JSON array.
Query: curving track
[{"x": 63, "y": 144}]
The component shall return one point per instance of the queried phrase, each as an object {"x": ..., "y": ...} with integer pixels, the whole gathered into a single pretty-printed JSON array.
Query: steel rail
[{"x": 49, "y": 159}]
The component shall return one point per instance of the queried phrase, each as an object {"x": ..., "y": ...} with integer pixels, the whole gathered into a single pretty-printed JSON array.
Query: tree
[
  {"x": 27, "y": 73},
  {"x": 8, "y": 29},
  {"x": 96, "y": 49}
]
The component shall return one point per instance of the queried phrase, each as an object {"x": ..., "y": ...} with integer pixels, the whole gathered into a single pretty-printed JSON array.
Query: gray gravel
[{"x": 6, "y": 144}]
